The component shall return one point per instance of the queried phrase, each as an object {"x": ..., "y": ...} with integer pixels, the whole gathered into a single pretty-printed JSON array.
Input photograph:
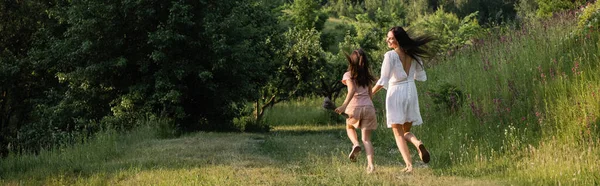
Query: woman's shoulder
[{"x": 388, "y": 53}]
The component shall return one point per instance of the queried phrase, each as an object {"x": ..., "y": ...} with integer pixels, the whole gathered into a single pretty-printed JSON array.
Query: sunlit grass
[
  {"x": 531, "y": 113},
  {"x": 289, "y": 155}
]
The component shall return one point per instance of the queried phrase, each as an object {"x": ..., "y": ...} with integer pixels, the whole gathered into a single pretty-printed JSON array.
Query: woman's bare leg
[
  {"x": 402, "y": 146},
  {"x": 408, "y": 136}
]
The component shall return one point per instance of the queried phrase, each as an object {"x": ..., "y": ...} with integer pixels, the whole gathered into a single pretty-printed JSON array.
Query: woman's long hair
[
  {"x": 358, "y": 66},
  {"x": 413, "y": 47}
]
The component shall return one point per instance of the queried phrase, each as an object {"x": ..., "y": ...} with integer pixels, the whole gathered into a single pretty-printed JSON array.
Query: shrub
[
  {"x": 448, "y": 96},
  {"x": 548, "y": 7},
  {"x": 450, "y": 31},
  {"x": 590, "y": 17}
]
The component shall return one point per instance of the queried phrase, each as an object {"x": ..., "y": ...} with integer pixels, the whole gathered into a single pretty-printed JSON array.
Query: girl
[{"x": 359, "y": 106}]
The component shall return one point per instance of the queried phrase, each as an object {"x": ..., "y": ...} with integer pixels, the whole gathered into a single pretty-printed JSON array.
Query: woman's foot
[
  {"x": 354, "y": 153},
  {"x": 370, "y": 169},
  {"x": 408, "y": 169},
  {"x": 423, "y": 153}
]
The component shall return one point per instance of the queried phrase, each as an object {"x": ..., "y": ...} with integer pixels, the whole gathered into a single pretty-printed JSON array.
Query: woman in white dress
[{"x": 401, "y": 66}]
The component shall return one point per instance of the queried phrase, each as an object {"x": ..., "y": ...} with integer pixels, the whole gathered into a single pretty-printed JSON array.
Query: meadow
[{"x": 529, "y": 116}]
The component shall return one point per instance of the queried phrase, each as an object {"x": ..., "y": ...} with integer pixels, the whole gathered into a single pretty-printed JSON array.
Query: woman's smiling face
[{"x": 391, "y": 40}]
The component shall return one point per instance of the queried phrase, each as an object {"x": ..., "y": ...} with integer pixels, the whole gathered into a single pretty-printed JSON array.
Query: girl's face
[{"x": 391, "y": 40}]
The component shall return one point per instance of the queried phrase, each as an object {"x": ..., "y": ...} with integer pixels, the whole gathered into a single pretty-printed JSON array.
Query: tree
[
  {"x": 296, "y": 73},
  {"x": 21, "y": 80},
  {"x": 74, "y": 68},
  {"x": 306, "y": 14}
]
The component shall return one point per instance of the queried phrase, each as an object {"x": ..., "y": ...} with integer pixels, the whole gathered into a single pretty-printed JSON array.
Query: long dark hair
[
  {"x": 413, "y": 47},
  {"x": 358, "y": 66}
]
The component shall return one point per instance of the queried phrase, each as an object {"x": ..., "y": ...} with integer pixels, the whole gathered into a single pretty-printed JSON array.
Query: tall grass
[
  {"x": 532, "y": 107},
  {"x": 79, "y": 159}
]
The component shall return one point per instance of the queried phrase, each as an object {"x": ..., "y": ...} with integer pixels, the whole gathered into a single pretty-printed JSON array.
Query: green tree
[
  {"x": 72, "y": 67},
  {"x": 22, "y": 80},
  {"x": 307, "y": 14},
  {"x": 296, "y": 73}
]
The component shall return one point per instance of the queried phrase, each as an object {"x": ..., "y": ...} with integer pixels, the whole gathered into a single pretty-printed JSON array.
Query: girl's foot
[
  {"x": 423, "y": 153},
  {"x": 354, "y": 153},
  {"x": 370, "y": 169},
  {"x": 408, "y": 169}
]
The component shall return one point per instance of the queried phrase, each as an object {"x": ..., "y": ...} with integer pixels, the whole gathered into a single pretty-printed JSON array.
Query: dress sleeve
[
  {"x": 346, "y": 76},
  {"x": 420, "y": 75},
  {"x": 386, "y": 71}
]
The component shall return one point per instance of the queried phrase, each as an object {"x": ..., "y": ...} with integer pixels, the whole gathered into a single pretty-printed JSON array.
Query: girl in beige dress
[{"x": 359, "y": 106}]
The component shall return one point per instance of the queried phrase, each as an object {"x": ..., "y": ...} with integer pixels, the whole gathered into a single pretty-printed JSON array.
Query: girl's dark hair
[
  {"x": 358, "y": 66},
  {"x": 413, "y": 47}
]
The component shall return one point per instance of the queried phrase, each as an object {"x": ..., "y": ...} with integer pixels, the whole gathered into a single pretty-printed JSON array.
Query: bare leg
[
  {"x": 351, "y": 131},
  {"x": 352, "y": 135},
  {"x": 402, "y": 146},
  {"x": 366, "y": 139},
  {"x": 408, "y": 136}
]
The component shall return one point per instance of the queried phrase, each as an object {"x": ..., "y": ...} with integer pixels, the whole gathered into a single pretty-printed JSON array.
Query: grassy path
[{"x": 294, "y": 155}]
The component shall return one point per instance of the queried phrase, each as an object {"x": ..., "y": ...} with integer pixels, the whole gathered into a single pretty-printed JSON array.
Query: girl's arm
[
  {"x": 349, "y": 96},
  {"x": 375, "y": 89}
]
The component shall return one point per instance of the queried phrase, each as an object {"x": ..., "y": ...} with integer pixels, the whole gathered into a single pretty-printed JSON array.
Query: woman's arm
[
  {"x": 420, "y": 75},
  {"x": 386, "y": 72}
]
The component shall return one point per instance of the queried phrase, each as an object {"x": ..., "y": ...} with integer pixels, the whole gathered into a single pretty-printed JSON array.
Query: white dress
[{"x": 402, "y": 101}]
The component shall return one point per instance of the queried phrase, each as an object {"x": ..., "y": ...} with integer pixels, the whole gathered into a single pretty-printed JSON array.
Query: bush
[
  {"x": 249, "y": 124},
  {"x": 448, "y": 96},
  {"x": 548, "y": 7},
  {"x": 590, "y": 17},
  {"x": 450, "y": 31}
]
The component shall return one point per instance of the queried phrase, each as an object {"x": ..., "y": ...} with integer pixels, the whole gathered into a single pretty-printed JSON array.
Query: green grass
[
  {"x": 289, "y": 155},
  {"x": 531, "y": 115}
]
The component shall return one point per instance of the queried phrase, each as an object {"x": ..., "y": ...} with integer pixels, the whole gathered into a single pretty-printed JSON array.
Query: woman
[
  {"x": 401, "y": 66},
  {"x": 359, "y": 106}
]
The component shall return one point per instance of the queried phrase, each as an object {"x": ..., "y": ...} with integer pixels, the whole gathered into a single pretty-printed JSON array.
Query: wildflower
[
  {"x": 575, "y": 69},
  {"x": 523, "y": 118}
]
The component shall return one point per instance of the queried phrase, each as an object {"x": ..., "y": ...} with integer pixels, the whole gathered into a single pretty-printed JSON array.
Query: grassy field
[{"x": 289, "y": 155}]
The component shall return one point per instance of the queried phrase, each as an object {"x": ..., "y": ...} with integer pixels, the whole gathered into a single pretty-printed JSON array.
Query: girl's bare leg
[
  {"x": 366, "y": 139},
  {"x": 351, "y": 131}
]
